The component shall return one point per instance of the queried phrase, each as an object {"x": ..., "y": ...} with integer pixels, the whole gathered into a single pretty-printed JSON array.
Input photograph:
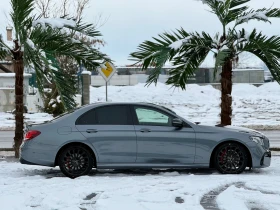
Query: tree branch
[{"x": 6, "y": 70}]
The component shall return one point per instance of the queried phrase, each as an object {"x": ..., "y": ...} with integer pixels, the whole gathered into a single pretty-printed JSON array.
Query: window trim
[
  {"x": 135, "y": 118},
  {"x": 128, "y": 112},
  {"x": 173, "y": 116}
]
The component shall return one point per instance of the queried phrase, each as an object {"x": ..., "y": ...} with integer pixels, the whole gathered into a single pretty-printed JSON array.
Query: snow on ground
[
  {"x": 252, "y": 106},
  {"x": 7, "y": 120},
  {"x": 24, "y": 187}
]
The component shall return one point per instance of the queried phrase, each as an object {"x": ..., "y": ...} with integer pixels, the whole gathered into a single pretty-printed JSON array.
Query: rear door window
[{"x": 107, "y": 115}]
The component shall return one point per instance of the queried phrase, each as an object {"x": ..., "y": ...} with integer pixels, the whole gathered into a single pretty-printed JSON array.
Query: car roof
[{"x": 127, "y": 103}]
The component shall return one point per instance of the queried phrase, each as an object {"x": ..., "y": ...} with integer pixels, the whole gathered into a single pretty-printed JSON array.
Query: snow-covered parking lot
[{"x": 25, "y": 187}]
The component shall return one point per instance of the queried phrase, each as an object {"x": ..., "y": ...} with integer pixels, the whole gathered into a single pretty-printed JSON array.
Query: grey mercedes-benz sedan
[{"x": 139, "y": 135}]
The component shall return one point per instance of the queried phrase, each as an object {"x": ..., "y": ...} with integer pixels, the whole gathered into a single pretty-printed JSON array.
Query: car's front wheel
[
  {"x": 75, "y": 161},
  {"x": 231, "y": 158}
]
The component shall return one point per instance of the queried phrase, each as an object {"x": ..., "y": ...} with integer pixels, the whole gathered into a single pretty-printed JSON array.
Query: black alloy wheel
[
  {"x": 75, "y": 161},
  {"x": 231, "y": 158}
]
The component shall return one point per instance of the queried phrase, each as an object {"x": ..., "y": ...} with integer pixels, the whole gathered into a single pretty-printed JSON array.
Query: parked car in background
[
  {"x": 268, "y": 77},
  {"x": 139, "y": 135}
]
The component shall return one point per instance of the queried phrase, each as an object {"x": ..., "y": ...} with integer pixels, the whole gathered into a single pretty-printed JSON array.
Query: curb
[
  {"x": 7, "y": 150},
  {"x": 275, "y": 149},
  {"x": 7, "y": 129}
]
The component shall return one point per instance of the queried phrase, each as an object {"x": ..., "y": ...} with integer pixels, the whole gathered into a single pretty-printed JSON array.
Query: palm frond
[
  {"x": 66, "y": 90},
  {"x": 21, "y": 16},
  {"x": 48, "y": 71},
  {"x": 185, "y": 50},
  {"x": 260, "y": 14},
  {"x": 69, "y": 26},
  {"x": 85, "y": 29},
  {"x": 52, "y": 41},
  {"x": 42, "y": 48},
  {"x": 4, "y": 49},
  {"x": 233, "y": 14},
  {"x": 267, "y": 49},
  {"x": 236, "y": 3},
  {"x": 157, "y": 53},
  {"x": 222, "y": 9},
  {"x": 189, "y": 58}
]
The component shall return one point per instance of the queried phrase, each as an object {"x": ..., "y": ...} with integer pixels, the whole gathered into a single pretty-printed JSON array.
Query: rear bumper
[
  {"x": 32, "y": 153},
  {"x": 23, "y": 161}
]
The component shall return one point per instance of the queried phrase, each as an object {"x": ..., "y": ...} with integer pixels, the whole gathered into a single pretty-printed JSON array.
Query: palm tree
[
  {"x": 38, "y": 42},
  {"x": 186, "y": 51}
]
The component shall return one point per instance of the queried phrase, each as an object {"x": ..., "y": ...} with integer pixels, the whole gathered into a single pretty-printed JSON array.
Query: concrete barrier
[
  {"x": 7, "y": 99},
  {"x": 117, "y": 80},
  {"x": 202, "y": 76},
  {"x": 7, "y": 90}
]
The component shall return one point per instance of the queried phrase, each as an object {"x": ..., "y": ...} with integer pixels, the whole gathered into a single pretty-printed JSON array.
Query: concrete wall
[
  {"x": 7, "y": 91},
  {"x": 202, "y": 76},
  {"x": 33, "y": 101},
  {"x": 7, "y": 99},
  {"x": 121, "y": 80},
  {"x": 240, "y": 76},
  {"x": 142, "y": 78}
]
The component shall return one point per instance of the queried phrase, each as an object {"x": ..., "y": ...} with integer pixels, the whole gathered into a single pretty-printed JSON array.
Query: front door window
[{"x": 146, "y": 116}]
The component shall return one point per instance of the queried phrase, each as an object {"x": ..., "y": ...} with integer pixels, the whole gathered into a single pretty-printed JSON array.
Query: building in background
[{"x": 6, "y": 65}]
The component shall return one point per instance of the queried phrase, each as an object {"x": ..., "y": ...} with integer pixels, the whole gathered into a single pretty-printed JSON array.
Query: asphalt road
[{"x": 6, "y": 138}]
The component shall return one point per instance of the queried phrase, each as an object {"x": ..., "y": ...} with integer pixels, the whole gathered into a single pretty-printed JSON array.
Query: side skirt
[{"x": 146, "y": 166}]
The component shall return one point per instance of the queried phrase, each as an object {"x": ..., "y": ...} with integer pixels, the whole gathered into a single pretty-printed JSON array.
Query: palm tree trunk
[
  {"x": 19, "y": 69},
  {"x": 226, "y": 85}
]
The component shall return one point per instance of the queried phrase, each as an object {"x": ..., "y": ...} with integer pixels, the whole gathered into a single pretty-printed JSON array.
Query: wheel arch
[
  {"x": 75, "y": 144},
  {"x": 211, "y": 164}
]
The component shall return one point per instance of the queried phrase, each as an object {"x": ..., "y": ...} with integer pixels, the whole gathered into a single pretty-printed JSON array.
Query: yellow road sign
[{"x": 107, "y": 71}]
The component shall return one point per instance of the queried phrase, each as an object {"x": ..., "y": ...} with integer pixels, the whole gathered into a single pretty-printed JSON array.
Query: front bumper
[{"x": 266, "y": 159}]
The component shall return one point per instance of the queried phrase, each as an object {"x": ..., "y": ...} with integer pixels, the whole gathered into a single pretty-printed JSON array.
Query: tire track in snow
[{"x": 208, "y": 201}]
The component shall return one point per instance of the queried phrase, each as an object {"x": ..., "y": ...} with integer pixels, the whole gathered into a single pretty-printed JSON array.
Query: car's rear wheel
[
  {"x": 231, "y": 158},
  {"x": 75, "y": 161}
]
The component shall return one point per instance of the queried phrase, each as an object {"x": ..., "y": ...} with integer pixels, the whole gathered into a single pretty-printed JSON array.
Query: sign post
[
  {"x": 107, "y": 71},
  {"x": 106, "y": 91}
]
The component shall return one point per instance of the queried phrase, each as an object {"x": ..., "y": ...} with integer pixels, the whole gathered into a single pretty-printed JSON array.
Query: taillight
[{"x": 31, "y": 134}]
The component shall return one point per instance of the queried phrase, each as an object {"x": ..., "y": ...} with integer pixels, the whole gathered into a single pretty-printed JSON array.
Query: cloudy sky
[{"x": 130, "y": 22}]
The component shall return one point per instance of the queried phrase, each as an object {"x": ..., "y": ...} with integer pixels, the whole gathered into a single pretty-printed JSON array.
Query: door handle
[
  {"x": 91, "y": 131},
  {"x": 145, "y": 130}
]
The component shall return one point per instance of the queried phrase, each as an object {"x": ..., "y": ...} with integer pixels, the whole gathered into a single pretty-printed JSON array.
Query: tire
[
  {"x": 75, "y": 161},
  {"x": 231, "y": 158}
]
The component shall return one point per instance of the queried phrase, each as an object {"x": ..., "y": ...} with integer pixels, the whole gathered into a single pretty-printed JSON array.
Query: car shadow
[{"x": 55, "y": 172}]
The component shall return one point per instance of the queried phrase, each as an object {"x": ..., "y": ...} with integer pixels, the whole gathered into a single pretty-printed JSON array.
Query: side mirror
[{"x": 177, "y": 122}]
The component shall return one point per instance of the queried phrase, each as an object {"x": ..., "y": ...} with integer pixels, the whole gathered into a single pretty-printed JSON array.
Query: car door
[
  {"x": 158, "y": 142},
  {"x": 110, "y": 130}
]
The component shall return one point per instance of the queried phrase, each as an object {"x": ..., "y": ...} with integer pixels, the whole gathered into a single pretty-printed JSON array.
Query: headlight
[{"x": 257, "y": 139}]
